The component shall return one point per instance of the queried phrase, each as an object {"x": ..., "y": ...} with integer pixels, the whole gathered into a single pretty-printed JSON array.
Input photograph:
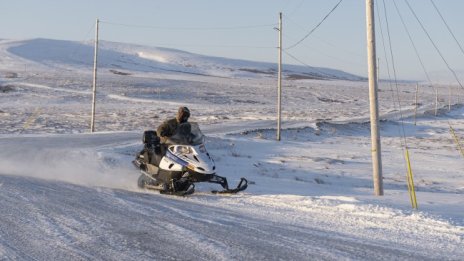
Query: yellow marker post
[
  {"x": 456, "y": 139},
  {"x": 411, "y": 189},
  {"x": 32, "y": 118}
]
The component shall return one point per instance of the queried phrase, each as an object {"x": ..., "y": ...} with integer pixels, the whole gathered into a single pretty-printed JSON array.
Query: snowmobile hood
[{"x": 195, "y": 158}]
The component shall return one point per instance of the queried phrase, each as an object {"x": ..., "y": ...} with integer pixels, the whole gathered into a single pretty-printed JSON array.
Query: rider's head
[{"x": 183, "y": 114}]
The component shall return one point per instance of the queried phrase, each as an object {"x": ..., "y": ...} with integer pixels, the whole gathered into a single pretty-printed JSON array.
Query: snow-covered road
[{"x": 42, "y": 219}]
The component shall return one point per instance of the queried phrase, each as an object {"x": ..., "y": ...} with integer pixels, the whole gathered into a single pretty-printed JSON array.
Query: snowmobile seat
[
  {"x": 151, "y": 150},
  {"x": 151, "y": 141},
  {"x": 150, "y": 138}
]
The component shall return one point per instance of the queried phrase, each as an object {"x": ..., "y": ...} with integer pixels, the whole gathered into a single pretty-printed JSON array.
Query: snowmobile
[{"x": 174, "y": 166}]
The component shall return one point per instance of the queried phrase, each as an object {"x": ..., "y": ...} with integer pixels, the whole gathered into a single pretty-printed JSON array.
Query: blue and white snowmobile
[{"x": 174, "y": 167}]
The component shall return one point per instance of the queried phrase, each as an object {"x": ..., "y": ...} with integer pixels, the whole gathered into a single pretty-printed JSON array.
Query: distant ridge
[{"x": 123, "y": 58}]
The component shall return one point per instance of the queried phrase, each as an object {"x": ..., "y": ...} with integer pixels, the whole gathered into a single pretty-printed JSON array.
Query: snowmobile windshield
[{"x": 187, "y": 133}]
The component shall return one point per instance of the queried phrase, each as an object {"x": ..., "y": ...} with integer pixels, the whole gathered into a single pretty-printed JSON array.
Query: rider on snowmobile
[
  {"x": 169, "y": 127},
  {"x": 174, "y": 158}
]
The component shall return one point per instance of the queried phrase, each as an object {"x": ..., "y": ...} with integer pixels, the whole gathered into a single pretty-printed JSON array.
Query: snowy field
[{"x": 71, "y": 195}]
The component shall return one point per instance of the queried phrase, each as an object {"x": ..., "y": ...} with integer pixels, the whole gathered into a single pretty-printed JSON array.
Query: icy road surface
[{"x": 55, "y": 220}]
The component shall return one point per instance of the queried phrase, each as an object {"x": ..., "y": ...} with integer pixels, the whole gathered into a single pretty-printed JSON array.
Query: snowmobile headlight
[{"x": 184, "y": 150}]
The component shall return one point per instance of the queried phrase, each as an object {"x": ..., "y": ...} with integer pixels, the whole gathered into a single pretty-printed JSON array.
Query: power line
[
  {"x": 383, "y": 44},
  {"x": 191, "y": 28},
  {"x": 199, "y": 29},
  {"x": 319, "y": 52},
  {"x": 387, "y": 61},
  {"x": 449, "y": 29},
  {"x": 297, "y": 7},
  {"x": 212, "y": 45},
  {"x": 317, "y": 26},
  {"x": 385, "y": 53},
  {"x": 433, "y": 43},
  {"x": 412, "y": 41},
  {"x": 347, "y": 51},
  {"x": 310, "y": 67},
  {"x": 403, "y": 132},
  {"x": 322, "y": 53}
]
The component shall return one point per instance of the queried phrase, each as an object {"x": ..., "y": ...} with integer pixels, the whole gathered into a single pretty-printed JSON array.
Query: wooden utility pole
[
  {"x": 378, "y": 72},
  {"x": 94, "y": 93},
  {"x": 279, "y": 79},
  {"x": 449, "y": 98},
  {"x": 415, "y": 103},
  {"x": 374, "y": 108}
]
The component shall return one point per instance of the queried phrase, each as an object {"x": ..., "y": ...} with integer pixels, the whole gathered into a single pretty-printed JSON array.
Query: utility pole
[
  {"x": 94, "y": 93},
  {"x": 415, "y": 102},
  {"x": 374, "y": 108},
  {"x": 449, "y": 98},
  {"x": 279, "y": 79},
  {"x": 378, "y": 71}
]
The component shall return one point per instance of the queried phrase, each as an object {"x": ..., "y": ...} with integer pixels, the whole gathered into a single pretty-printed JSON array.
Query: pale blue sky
[{"x": 338, "y": 43}]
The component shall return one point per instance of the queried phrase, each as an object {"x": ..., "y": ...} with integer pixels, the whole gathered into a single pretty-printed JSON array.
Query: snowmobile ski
[
  {"x": 188, "y": 191},
  {"x": 242, "y": 185}
]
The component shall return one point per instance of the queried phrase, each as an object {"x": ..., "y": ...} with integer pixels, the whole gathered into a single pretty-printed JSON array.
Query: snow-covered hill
[
  {"x": 68, "y": 194},
  {"x": 127, "y": 58}
]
